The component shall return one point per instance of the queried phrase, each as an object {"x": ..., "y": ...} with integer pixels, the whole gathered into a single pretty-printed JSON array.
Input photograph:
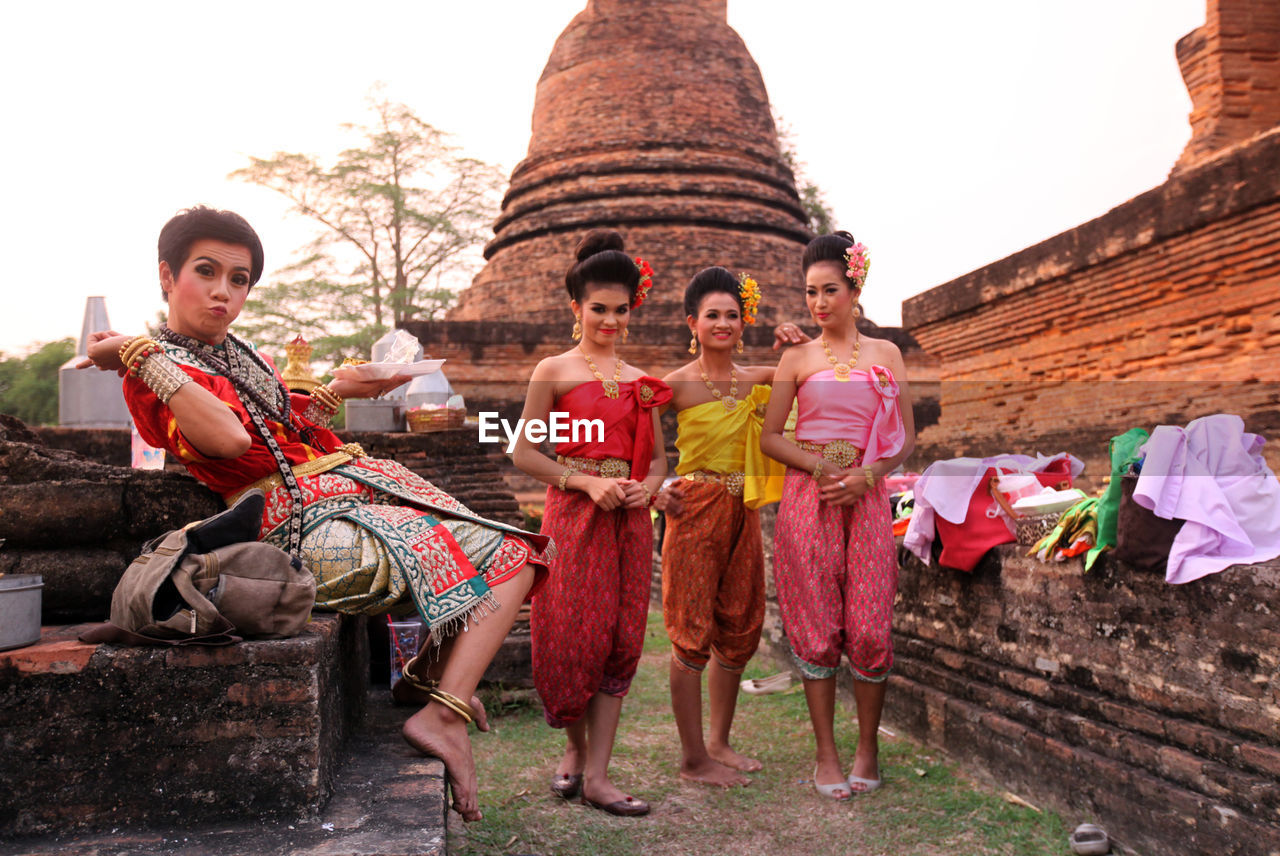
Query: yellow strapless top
[{"x": 713, "y": 439}]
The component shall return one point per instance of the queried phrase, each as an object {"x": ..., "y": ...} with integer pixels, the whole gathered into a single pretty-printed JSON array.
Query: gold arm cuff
[
  {"x": 871, "y": 476},
  {"x": 163, "y": 376},
  {"x": 564, "y": 479}
]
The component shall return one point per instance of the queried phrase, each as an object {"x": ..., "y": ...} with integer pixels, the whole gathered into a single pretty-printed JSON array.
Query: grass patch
[{"x": 939, "y": 812}]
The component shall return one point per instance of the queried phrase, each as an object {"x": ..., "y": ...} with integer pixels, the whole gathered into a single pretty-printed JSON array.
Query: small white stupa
[{"x": 88, "y": 398}]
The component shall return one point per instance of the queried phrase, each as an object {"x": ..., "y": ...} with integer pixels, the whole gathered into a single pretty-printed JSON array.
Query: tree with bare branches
[{"x": 398, "y": 218}]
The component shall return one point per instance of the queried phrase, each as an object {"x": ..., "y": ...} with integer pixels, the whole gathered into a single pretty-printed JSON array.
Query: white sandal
[
  {"x": 832, "y": 791},
  {"x": 868, "y": 785},
  {"x": 766, "y": 686}
]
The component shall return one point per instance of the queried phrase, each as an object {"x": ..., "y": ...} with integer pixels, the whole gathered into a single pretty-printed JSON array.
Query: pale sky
[{"x": 982, "y": 127}]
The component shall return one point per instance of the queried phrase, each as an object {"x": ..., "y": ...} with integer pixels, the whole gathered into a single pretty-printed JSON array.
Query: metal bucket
[{"x": 20, "y": 610}]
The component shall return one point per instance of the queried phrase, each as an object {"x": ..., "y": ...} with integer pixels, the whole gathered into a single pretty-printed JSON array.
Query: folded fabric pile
[{"x": 1076, "y": 532}]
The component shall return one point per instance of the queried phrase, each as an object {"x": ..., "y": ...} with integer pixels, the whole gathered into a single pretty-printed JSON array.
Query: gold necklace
[
  {"x": 610, "y": 386},
  {"x": 842, "y": 370},
  {"x": 729, "y": 401}
]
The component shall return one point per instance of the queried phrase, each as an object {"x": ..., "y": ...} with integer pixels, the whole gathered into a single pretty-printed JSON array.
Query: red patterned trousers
[{"x": 588, "y": 618}]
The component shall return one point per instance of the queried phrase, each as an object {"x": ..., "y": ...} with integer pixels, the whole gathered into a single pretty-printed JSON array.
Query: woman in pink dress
[
  {"x": 588, "y": 620},
  {"x": 835, "y": 566}
]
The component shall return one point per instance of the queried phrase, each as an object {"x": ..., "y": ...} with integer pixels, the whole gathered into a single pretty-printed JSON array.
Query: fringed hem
[{"x": 458, "y": 621}]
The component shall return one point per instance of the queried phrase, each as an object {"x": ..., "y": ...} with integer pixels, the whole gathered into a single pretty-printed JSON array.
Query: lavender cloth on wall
[{"x": 1212, "y": 475}]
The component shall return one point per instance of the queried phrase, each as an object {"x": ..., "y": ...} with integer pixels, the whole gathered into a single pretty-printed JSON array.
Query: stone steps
[
  {"x": 102, "y": 736},
  {"x": 387, "y": 800}
]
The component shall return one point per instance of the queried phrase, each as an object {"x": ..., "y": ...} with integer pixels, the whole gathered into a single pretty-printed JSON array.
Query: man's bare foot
[
  {"x": 729, "y": 758},
  {"x": 435, "y": 730},
  {"x": 712, "y": 772},
  {"x": 403, "y": 692}
]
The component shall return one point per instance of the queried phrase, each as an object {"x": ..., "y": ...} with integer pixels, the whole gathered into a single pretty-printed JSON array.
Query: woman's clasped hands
[{"x": 843, "y": 487}]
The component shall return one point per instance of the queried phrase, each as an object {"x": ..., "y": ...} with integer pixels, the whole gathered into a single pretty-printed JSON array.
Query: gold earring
[
  {"x": 626, "y": 331},
  {"x": 577, "y": 328},
  {"x": 857, "y": 312},
  {"x": 693, "y": 345},
  {"x": 740, "y": 347}
]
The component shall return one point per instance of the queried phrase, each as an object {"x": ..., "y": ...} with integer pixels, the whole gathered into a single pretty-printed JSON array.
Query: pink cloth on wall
[{"x": 829, "y": 409}]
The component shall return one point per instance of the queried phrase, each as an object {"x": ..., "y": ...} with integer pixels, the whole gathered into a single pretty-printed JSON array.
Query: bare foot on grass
[
  {"x": 441, "y": 733},
  {"x": 729, "y": 758},
  {"x": 712, "y": 772}
]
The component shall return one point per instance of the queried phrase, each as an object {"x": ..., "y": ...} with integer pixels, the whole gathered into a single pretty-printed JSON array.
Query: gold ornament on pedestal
[{"x": 297, "y": 374}]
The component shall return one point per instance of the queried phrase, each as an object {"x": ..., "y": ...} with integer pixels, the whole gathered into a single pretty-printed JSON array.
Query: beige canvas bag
[{"x": 210, "y": 583}]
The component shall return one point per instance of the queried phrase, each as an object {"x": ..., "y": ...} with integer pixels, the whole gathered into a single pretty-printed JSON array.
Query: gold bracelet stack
[
  {"x": 871, "y": 477},
  {"x": 135, "y": 350},
  {"x": 564, "y": 478},
  {"x": 817, "y": 469},
  {"x": 323, "y": 405}
]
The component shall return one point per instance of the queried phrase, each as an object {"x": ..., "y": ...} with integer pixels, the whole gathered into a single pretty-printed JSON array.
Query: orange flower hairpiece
[
  {"x": 646, "y": 281},
  {"x": 749, "y": 291}
]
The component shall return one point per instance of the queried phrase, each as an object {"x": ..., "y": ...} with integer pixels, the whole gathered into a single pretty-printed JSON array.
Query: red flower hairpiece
[{"x": 646, "y": 281}]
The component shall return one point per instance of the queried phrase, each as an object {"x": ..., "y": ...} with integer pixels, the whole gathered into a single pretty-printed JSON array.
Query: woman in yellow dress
[{"x": 712, "y": 556}]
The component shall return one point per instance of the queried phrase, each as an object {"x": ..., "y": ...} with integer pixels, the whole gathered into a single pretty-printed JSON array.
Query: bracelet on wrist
[
  {"x": 871, "y": 476},
  {"x": 326, "y": 398},
  {"x": 564, "y": 478},
  {"x": 159, "y": 373},
  {"x": 134, "y": 352},
  {"x": 649, "y": 496},
  {"x": 817, "y": 469}
]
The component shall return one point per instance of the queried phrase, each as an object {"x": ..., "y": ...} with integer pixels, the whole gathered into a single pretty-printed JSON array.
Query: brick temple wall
[
  {"x": 1111, "y": 695},
  {"x": 1164, "y": 309},
  {"x": 489, "y": 362}
]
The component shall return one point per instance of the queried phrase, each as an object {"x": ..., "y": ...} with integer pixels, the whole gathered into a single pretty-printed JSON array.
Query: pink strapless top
[{"x": 863, "y": 410}]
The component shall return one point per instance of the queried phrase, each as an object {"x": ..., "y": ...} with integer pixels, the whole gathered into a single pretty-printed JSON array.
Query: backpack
[{"x": 210, "y": 583}]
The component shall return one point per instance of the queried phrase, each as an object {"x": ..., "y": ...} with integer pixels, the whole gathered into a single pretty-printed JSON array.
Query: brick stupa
[{"x": 651, "y": 118}]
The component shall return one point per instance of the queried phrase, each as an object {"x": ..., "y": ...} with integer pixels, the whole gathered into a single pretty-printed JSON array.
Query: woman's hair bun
[
  {"x": 842, "y": 233},
  {"x": 597, "y": 241}
]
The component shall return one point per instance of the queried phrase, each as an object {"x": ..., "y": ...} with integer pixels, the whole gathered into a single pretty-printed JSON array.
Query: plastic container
[
  {"x": 406, "y": 637},
  {"x": 20, "y": 596}
]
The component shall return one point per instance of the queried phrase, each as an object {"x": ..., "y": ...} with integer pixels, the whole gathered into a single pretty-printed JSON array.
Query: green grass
[{"x": 938, "y": 812}]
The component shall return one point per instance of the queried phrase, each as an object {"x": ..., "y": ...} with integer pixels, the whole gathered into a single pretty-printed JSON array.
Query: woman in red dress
[
  {"x": 588, "y": 620},
  {"x": 377, "y": 537}
]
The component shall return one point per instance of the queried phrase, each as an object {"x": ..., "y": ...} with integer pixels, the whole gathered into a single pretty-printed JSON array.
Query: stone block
[{"x": 98, "y": 736}]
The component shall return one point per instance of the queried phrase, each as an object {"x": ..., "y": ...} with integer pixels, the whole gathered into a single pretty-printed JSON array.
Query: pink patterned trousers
[{"x": 836, "y": 573}]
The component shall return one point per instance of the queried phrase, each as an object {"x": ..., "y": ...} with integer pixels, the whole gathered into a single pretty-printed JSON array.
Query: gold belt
[
  {"x": 609, "y": 468},
  {"x": 323, "y": 464},
  {"x": 732, "y": 482},
  {"x": 842, "y": 453}
]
